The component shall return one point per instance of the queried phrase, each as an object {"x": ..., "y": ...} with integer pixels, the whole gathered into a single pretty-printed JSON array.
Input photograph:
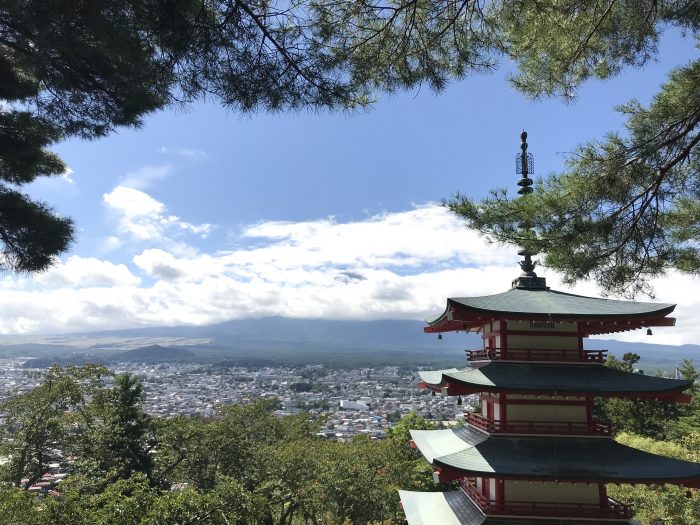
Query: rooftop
[
  {"x": 552, "y": 379},
  {"x": 466, "y": 451},
  {"x": 465, "y": 313},
  {"x": 455, "y": 508}
]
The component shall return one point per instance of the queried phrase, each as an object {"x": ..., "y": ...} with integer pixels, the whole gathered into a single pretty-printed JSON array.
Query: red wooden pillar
[
  {"x": 504, "y": 339},
  {"x": 603, "y": 493},
  {"x": 491, "y": 338},
  {"x": 500, "y": 493},
  {"x": 580, "y": 341},
  {"x": 503, "y": 420},
  {"x": 589, "y": 412}
]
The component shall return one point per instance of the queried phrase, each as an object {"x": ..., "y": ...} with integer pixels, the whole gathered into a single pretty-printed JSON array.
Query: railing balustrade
[
  {"x": 613, "y": 510},
  {"x": 538, "y": 354},
  {"x": 539, "y": 427}
]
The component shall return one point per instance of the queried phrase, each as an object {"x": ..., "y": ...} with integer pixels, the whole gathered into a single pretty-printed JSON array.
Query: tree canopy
[
  {"x": 242, "y": 466},
  {"x": 625, "y": 208},
  {"x": 246, "y": 466}
]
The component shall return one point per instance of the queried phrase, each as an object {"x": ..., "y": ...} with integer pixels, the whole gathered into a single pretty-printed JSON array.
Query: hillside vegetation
[
  {"x": 247, "y": 467},
  {"x": 243, "y": 466}
]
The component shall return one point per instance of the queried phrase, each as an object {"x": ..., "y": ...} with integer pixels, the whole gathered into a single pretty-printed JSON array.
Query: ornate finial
[{"x": 525, "y": 165}]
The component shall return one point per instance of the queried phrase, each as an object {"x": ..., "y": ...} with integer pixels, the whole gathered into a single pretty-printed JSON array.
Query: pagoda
[{"x": 534, "y": 453}]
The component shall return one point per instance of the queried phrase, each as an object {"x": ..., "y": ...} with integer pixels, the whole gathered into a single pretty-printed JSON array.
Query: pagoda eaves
[
  {"x": 595, "y": 316},
  {"x": 559, "y": 379},
  {"x": 456, "y": 453},
  {"x": 455, "y": 508}
]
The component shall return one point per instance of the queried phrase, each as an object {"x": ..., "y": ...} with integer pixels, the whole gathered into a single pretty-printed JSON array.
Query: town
[{"x": 351, "y": 401}]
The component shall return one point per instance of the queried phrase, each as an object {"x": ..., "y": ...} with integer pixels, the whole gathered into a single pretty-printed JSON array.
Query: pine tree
[
  {"x": 115, "y": 435},
  {"x": 625, "y": 210}
]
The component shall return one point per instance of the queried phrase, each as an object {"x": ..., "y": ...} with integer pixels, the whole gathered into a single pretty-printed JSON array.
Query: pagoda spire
[{"x": 525, "y": 165}]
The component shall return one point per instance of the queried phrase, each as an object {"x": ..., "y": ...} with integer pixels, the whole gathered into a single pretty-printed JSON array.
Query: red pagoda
[{"x": 535, "y": 454}]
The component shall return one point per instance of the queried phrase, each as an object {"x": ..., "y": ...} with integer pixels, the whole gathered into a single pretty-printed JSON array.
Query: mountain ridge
[{"x": 284, "y": 338}]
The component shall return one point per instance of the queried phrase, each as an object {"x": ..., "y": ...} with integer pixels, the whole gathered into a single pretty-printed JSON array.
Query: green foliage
[
  {"x": 407, "y": 464},
  {"x": 114, "y": 434},
  {"x": 668, "y": 504},
  {"x": 400, "y": 434},
  {"x": 624, "y": 211},
  {"x": 288, "y": 472},
  {"x": 243, "y": 466},
  {"x": 17, "y": 507},
  {"x": 38, "y": 422},
  {"x": 626, "y": 208},
  {"x": 689, "y": 417},
  {"x": 644, "y": 417},
  {"x": 80, "y": 72},
  {"x": 561, "y": 43},
  {"x": 130, "y": 502},
  {"x": 659, "y": 428}
]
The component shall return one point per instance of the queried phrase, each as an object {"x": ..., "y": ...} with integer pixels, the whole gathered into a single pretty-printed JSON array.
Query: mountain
[
  {"x": 391, "y": 333},
  {"x": 154, "y": 353},
  {"x": 654, "y": 356},
  {"x": 296, "y": 341}
]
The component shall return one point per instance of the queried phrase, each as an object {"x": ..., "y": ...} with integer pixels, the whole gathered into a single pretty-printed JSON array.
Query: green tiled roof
[
  {"x": 440, "y": 508},
  {"x": 553, "y": 458},
  {"x": 556, "y": 304},
  {"x": 553, "y": 378},
  {"x": 455, "y": 508}
]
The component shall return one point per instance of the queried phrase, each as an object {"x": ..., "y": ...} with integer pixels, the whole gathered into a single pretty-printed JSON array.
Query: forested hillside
[
  {"x": 247, "y": 467},
  {"x": 244, "y": 466}
]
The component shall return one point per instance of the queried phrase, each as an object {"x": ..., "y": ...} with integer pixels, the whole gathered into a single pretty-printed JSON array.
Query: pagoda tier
[
  {"x": 590, "y": 315},
  {"x": 518, "y": 379},
  {"x": 534, "y": 452},
  {"x": 456, "y": 508},
  {"x": 467, "y": 452}
]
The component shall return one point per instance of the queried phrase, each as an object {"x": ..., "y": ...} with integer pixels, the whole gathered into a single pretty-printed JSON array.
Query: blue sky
[{"x": 203, "y": 215}]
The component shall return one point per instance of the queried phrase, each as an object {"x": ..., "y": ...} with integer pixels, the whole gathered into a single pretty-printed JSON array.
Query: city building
[{"x": 534, "y": 453}]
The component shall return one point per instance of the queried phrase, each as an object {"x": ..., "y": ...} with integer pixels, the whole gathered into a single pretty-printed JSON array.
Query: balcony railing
[
  {"x": 555, "y": 355},
  {"x": 611, "y": 509},
  {"x": 540, "y": 427}
]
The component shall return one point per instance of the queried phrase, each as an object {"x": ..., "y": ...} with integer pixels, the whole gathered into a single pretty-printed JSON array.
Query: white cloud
[
  {"x": 66, "y": 175},
  {"x": 393, "y": 265},
  {"x": 424, "y": 235},
  {"x": 146, "y": 176},
  {"x": 110, "y": 244},
  {"x": 133, "y": 203},
  {"x": 86, "y": 272},
  {"x": 143, "y": 219},
  {"x": 75, "y": 272}
]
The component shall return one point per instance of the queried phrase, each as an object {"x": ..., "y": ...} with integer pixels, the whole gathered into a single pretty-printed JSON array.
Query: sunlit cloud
[
  {"x": 400, "y": 265},
  {"x": 142, "y": 219}
]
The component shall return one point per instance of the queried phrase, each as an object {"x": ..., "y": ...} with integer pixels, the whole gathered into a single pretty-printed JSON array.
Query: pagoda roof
[
  {"x": 440, "y": 508},
  {"x": 464, "y": 313},
  {"x": 468, "y": 452},
  {"x": 552, "y": 379},
  {"x": 455, "y": 508}
]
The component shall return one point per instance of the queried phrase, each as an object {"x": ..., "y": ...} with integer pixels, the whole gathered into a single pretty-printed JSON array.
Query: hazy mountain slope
[{"x": 295, "y": 341}]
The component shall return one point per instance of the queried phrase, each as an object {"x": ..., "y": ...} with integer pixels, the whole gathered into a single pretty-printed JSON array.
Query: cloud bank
[{"x": 399, "y": 265}]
